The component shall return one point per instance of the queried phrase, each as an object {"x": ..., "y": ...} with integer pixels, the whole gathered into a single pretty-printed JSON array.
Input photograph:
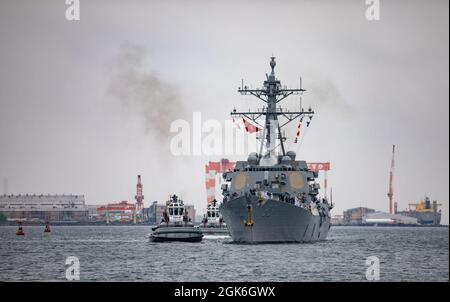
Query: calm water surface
[{"x": 123, "y": 253}]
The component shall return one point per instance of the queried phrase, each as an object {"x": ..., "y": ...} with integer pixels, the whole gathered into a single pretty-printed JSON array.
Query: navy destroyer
[
  {"x": 272, "y": 197},
  {"x": 175, "y": 225}
]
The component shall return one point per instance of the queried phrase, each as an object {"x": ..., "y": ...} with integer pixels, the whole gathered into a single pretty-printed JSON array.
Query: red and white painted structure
[
  {"x": 317, "y": 167},
  {"x": 139, "y": 196},
  {"x": 211, "y": 170}
]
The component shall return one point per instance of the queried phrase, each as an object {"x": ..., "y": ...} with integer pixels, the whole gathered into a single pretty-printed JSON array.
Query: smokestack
[{"x": 395, "y": 207}]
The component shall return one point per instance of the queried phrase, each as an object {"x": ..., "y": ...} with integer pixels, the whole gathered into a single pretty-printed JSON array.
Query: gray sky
[{"x": 85, "y": 106}]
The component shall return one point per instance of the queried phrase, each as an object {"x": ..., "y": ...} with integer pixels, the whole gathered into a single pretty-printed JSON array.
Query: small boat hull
[
  {"x": 182, "y": 234},
  {"x": 214, "y": 231}
]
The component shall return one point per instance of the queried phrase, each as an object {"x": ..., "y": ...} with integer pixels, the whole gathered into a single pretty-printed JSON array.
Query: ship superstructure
[
  {"x": 272, "y": 196},
  {"x": 212, "y": 222},
  {"x": 426, "y": 212}
]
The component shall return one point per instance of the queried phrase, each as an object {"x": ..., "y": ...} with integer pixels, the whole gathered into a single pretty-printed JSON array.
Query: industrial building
[
  {"x": 381, "y": 218},
  {"x": 32, "y": 207},
  {"x": 355, "y": 216},
  {"x": 366, "y": 216},
  {"x": 154, "y": 213},
  {"x": 122, "y": 211},
  {"x": 92, "y": 212}
]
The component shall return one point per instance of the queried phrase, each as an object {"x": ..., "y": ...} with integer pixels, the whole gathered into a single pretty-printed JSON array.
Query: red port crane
[
  {"x": 139, "y": 197},
  {"x": 390, "y": 193}
]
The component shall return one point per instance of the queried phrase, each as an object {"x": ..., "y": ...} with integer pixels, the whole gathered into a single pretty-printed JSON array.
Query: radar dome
[
  {"x": 253, "y": 158},
  {"x": 291, "y": 154},
  {"x": 286, "y": 160}
]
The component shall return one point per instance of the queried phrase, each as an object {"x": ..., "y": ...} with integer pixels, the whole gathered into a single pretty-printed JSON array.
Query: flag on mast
[
  {"x": 297, "y": 135},
  {"x": 250, "y": 128}
]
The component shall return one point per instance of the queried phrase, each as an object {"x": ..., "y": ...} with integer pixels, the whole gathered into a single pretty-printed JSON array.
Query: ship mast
[{"x": 272, "y": 93}]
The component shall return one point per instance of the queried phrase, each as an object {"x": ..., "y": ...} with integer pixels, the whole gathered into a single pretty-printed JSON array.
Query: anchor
[{"x": 249, "y": 222}]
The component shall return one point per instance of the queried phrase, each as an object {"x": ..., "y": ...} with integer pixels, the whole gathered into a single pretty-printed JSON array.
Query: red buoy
[
  {"x": 47, "y": 227},
  {"x": 20, "y": 231}
]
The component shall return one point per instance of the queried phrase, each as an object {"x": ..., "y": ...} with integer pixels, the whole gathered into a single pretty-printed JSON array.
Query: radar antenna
[{"x": 272, "y": 93}]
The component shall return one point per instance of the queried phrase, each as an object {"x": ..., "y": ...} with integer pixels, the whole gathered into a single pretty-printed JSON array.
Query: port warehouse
[
  {"x": 73, "y": 208},
  {"x": 361, "y": 215},
  {"x": 367, "y": 216},
  {"x": 44, "y": 207}
]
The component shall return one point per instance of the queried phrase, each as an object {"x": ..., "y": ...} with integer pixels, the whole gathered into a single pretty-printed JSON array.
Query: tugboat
[
  {"x": 176, "y": 225},
  {"x": 272, "y": 197},
  {"x": 213, "y": 223}
]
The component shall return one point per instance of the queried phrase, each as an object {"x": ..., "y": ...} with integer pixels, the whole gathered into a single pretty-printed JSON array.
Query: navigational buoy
[
  {"x": 20, "y": 231},
  {"x": 47, "y": 227}
]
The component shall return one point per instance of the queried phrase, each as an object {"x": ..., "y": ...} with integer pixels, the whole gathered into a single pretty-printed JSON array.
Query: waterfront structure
[
  {"x": 154, "y": 213},
  {"x": 381, "y": 218},
  {"x": 40, "y": 207},
  {"x": 356, "y": 216},
  {"x": 93, "y": 213},
  {"x": 122, "y": 211}
]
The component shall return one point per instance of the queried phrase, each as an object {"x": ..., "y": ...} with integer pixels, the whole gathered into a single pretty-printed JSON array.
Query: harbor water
[{"x": 124, "y": 253}]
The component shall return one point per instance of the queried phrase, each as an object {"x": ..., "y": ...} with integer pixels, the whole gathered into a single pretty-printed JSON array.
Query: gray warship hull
[{"x": 274, "y": 222}]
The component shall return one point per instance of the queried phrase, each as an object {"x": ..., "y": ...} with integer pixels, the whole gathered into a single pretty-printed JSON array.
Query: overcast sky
[{"x": 86, "y": 106}]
